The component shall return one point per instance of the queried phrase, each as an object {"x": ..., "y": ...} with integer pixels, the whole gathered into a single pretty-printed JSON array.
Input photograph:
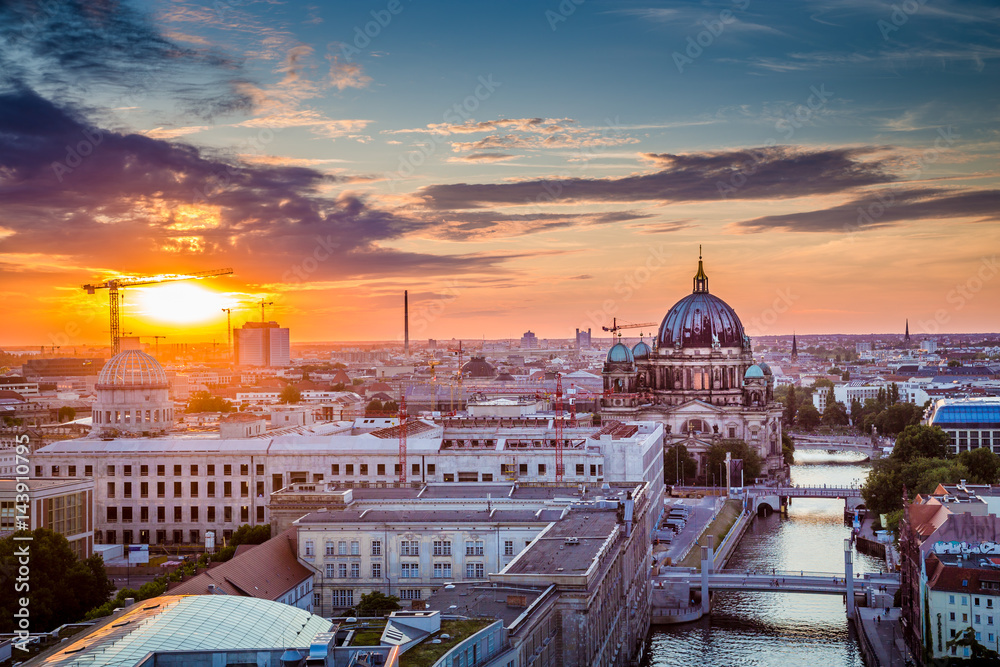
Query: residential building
[{"x": 261, "y": 344}]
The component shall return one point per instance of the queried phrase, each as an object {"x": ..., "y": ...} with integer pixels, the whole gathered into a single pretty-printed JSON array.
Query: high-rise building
[
  {"x": 262, "y": 344},
  {"x": 529, "y": 341},
  {"x": 582, "y": 339}
]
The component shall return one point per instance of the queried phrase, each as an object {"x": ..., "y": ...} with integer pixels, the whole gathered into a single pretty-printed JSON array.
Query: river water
[{"x": 780, "y": 629}]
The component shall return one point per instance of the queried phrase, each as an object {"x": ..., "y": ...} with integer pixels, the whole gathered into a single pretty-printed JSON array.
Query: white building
[
  {"x": 969, "y": 422},
  {"x": 133, "y": 395},
  {"x": 262, "y": 344}
]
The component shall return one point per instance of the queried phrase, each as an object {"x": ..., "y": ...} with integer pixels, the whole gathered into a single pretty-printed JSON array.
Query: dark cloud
[
  {"x": 137, "y": 203},
  {"x": 765, "y": 173},
  {"x": 885, "y": 208},
  {"x": 477, "y": 225}
]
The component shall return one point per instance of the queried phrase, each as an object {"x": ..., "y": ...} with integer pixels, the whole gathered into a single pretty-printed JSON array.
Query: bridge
[
  {"x": 829, "y": 583},
  {"x": 840, "y": 443},
  {"x": 763, "y": 499}
]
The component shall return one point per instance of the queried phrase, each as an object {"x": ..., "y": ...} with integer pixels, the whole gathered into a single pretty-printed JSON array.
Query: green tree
[
  {"x": 688, "y": 466},
  {"x": 374, "y": 407},
  {"x": 921, "y": 441},
  {"x": 739, "y": 450},
  {"x": 390, "y": 408},
  {"x": 247, "y": 534},
  {"x": 808, "y": 416},
  {"x": 835, "y": 414},
  {"x": 787, "y": 449},
  {"x": 62, "y": 587},
  {"x": 822, "y": 382},
  {"x": 357, "y": 381},
  {"x": 979, "y": 654},
  {"x": 954, "y": 363},
  {"x": 983, "y": 465},
  {"x": 846, "y": 376},
  {"x": 791, "y": 406},
  {"x": 376, "y": 604},
  {"x": 202, "y": 401},
  {"x": 67, "y": 413},
  {"x": 897, "y": 417},
  {"x": 290, "y": 394}
]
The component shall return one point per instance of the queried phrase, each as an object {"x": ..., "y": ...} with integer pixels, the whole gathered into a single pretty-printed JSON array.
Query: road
[{"x": 702, "y": 511}]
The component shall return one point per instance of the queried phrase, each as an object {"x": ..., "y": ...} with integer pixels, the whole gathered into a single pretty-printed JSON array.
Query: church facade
[{"x": 699, "y": 380}]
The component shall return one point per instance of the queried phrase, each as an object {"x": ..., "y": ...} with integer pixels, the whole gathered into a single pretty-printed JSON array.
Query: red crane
[
  {"x": 402, "y": 439},
  {"x": 559, "y": 429}
]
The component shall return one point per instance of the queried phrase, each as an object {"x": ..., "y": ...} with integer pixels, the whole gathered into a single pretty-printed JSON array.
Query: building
[
  {"x": 529, "y": 341},
  {"x": 61, "y": 367},
  {"x": 263, "y": 344},
  {"x": 928, "y": 345},
  {"x": 65, "y": 506},
  {"x": 268, "y": 571},
  {"x": 19, "y": 385},
  {"x": 699, "y": 380},
  {"x": 133, "y": 395},
  {"x": 969, "y": 422},
  {"x": 171, "y": 490},
  {"x": 962, "y": 596},
  {"x": 583, "y": 339}
]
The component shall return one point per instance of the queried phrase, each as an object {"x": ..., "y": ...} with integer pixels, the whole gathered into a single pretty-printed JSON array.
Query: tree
[
  {"x": 791, "y": 406},
  {"x": 954, "y": 363},
  {"x": 787, "y": 449},
  {"x": 290, "y": 394},
  {"x": 688, "y": 466},
  {"x": 834, "y": 371},
  {"x": 67, "y": 413},
  {"x": 376, "y": 604},
  {"x": 374, "y": 407},
  {"x": 921, "y": 441},
  {"x": 897, "y": 417},
  {"x": 808, "y": 416},
  {"x": 983, "y": 465},
  {"x": 835, "y": 414},
  {"x": 390, "y": 408},
  {"x": 846, "y": 376},
  {"x": 979, "y": 654},
  {"x": 739, "y": 450},
  {"x": 62, "y": 587},
  {"x": 202, "y": 401},
  {"x": 247, "y": 534},
  {"x": 822, "y": 382}
]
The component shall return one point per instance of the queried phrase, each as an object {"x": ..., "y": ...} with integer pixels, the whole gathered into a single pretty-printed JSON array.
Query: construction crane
[
  {"x": 262, "y": 304},
  {"x": 229, "y": 331},
  {"x": 615, "y": 327},
  {"x": 559, "y": 430},
  {"x": 156, "y": 340},
  {"x": 113, "y": 285},
  {"x": 402, "y": 438},
  {"x": 461, "y": 352}
]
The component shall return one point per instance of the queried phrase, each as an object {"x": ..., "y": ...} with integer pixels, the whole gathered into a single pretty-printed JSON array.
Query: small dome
[
  {"x": 478, "y": 367},
  {"x": 754, "y": 372},
  {"x": 620, "y": 354},
  {"x": 132, "y": 368},
  {"x": 641, "y": 350},
  {"x": 764, "y": 367}
]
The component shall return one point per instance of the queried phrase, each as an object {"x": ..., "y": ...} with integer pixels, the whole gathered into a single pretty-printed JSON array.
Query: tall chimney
[{"x": 406, "y": 322}]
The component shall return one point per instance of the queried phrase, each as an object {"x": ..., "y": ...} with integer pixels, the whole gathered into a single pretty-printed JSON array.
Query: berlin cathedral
[{"x": 699, "y": 380}]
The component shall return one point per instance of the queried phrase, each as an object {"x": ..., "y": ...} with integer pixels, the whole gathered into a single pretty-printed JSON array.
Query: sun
[{"x": 181, "y": 303}]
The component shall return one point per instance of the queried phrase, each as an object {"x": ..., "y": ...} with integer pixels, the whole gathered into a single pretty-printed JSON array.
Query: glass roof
[
  {"x": 967, "y": 414},
  {"x": 192, "y": 623}
]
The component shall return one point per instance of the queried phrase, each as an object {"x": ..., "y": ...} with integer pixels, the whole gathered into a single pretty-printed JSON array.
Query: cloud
[
  {"x": 465, "y": 226},
  {"x": 777, "y": 172},
  {"x": 885, "y": 208},
  {"x": 484, "y": 157},
  {"x": 346, "y": 75},
  {"x": 539, "y": 125}
]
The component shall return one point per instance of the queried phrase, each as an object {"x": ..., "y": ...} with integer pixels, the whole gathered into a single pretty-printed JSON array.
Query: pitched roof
[
  {"x": 961, "y": 528},
  {"x": 927, "y": 518},
  {"x": 941, "y": 577},
  {"x": 266, "y": 571}
]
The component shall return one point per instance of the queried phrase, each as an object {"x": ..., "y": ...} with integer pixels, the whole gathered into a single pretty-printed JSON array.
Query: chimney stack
[{"x": 406, "y": 322}]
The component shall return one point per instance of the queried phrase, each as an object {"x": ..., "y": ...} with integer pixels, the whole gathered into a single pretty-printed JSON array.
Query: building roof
[
  {"x": 191, "y": 623},
  {"x": 132, "y": 368},
  {"x": 957, "y": 579},
  {"x": 619, "y": 354},
  {"x": 267, "y": 571},
  {"x": 554, "y": 553},
  {"x": 949, "y": 412},
  {"x": 506, "y": 603},
  {"x": 701, "y": 320}
]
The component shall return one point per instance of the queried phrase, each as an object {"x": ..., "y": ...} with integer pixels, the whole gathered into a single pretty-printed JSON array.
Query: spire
[
  {"x": 700, "y": 279},
  {"x": 906, "y": 338},
  {"x": 795, "y": 348}
]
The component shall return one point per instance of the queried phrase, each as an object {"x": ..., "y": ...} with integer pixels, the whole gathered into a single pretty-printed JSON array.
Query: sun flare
[{"x": 181, "y": 303}]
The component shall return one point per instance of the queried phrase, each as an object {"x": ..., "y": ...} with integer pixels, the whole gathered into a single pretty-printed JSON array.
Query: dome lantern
[{"x": 700, "y": 278}]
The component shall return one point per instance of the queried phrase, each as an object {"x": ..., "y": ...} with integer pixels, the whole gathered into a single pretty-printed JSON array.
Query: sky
[{"x": 535, "y": 165}]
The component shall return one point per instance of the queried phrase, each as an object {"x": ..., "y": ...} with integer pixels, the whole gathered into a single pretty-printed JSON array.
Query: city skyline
[{"x": 544, "y": 166}]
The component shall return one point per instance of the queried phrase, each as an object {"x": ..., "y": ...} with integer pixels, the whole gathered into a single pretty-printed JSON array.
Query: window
[
  {"x": 194, "y": 489},
  {"x": 144, "y": 514},
  {"x": 965, "y": 618},
  {"x": 55, "y": 471},
  {"x": 161, "y": 471},
  {"x": 541, "y": 468},
  {"x": 317, "y": 598},
  {"x": 965, "y": 600},
  {"x": 579, "y": 470},
  {"x": 211, "y": 513},
  {"x": 442, "y": 547},
  {"x": 409, "y": 594},
  {"x": 127, "y": 471},
  {"x": 475, "y": 548},
  {"x": 310, "y": 549},
  {"x": 522, "y": 469},
  {"x": 88, "y": 471},
  {"x": 329, "y": 548},
  {"x": 448, "y": 477},
  {"x": 210, "y": 491},
  {"x": 143, "y": 471},
  {"x": 111, "y": 489},
  {"x": 508, "y": 547},
  {"x": 144, "y": 489},
  {"x": 127, "y": 489},
  {"x": 989, "y": 620},
  {"x": 380, "y": 469},
  {"x": 415, "y": 469},
  {"x": 430, "y": 468},
  {"x": 161, "y": 515},
  {"x": 244, "y": 489},
  {"x": 112, "y": 515},
  {"x": 977, "y": 619},
  {"x": 975, "y": 601},
  {"x": 227, "y": 489},
  {"x": 409, "y": 570},
  {"x": 211, "y": 469},
  {"x": 376, "y": 570},
  {"x": 177, "y": 514},
  {"x": 244, "y": 514},
  {"x": 227, "y": 514},
  {"x": 951, "y": 599},
  {"x": 364, "y": 469},
  {"x": 227, "y": 470},
  {"x": 342, "y": 547},
  {"x": 244, "y": 469},
  {"x": 335, "y": 469},
  {"x": 442, "y": 570},
  {"x": 111, "y": 471},
  {"x": 355, "y": 570},
  {"x": 330, "y": 570},
  {"x": 177, "y": 470},
  {"x": 194, "y": 470},
  {"x": 126, "y": 515},
  {"x": 343, "y": 598},
  {"x": 178, "y": 492},
  {"x": 487, "y": 477},
  {"x": 342, "y": 570},
  {"x": 260, "y": 468},
  {"x": 409, "y": 548},
  {"x": 376, "y": 547},
  {"x": 194, "y": 514},
  {"x": 475, "y": 571},
  {"x": 355, "y": 548},
  {"x": 348, "y": 468}
]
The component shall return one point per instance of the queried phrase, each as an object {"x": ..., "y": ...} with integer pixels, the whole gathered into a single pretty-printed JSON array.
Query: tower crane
[
  {"x": 615, "y": 327},
  {"x": 121, "y": 282}
]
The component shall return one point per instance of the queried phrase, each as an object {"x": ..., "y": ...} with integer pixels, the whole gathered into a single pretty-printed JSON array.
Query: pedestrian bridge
[
  {"x": 829, "y": 583},
  {"x": 764, "y": 499}
]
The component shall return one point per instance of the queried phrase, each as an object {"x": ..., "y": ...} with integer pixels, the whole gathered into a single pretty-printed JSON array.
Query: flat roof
[
  {"x": 551, "y": 554},
  {"x": 505, "y": 603}
]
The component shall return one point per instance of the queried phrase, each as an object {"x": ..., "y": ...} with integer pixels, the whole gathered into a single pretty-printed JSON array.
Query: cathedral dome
[
  {"x": 701, "y": 320},
  {"x": 641, "y": 350},
  {"x": 764, "y": 367},
  {"x": 132, "y": 368},
  {"x": 620, "y": 354},
  {"x": 478, "y": 367},
  {"x": 754, "y": 372}
]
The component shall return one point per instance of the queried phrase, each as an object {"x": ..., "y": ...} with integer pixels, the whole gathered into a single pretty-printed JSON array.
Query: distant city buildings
[
  {"x": 261, "y": 344},
  {"x": 582, "y": 339},
  {"x": 529, "y": 341}
]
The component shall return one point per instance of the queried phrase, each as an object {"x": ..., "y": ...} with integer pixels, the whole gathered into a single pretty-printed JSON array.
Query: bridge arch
[{"x": 764, "y": 508}]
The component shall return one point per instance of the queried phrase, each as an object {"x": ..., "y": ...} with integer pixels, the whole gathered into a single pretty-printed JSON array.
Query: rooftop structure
[{"x": 969, "y": 422}]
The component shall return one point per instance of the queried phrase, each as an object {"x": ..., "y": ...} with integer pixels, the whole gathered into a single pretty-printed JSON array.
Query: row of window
[
  {"x": 975, "y": 600},
  {"x": 126, "y": 416},
  {"x": 978, "y": 619},
  {"x": 178, "y": 490},
  {"x": 406, "y": 548},
  {"x": 144, "y": 536},
  {"x": 143, "y": 470},
  {"x": 342, "y": 598},
  {"x": 127, "y": 514}
]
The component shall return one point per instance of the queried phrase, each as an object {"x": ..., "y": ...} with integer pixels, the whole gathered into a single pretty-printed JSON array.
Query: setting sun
[{"x": 182, "y": 303}]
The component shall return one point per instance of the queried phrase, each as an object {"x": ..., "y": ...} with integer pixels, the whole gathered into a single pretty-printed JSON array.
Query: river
[{"x": 780, "y": 630}]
